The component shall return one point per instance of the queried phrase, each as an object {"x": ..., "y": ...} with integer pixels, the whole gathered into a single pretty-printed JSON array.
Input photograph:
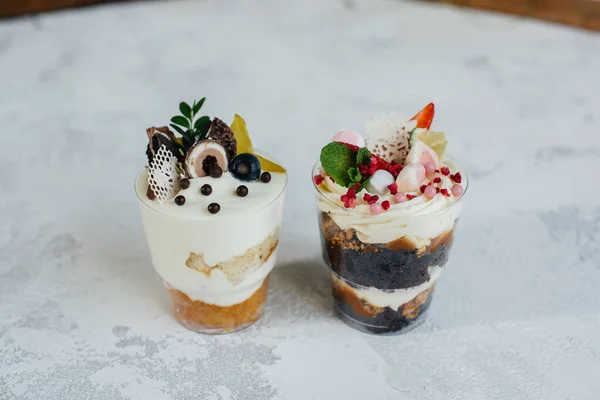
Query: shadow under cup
[
  {"x": 384, "y": 287},
  {"x": 208, "y": 298}
]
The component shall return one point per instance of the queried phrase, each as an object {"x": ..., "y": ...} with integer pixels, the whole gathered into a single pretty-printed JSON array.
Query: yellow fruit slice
[
  {"x": 268, "y": 165},
  {"x": 244, "y": 145},
  {"x": 436, "y": 140},
  {"x": 241, "y": 135}
]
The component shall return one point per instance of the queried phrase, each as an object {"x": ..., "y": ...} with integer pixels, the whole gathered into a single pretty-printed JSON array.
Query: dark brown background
[
  {"x": 9, "y": 8},
  {"x": 580, "y": 13}
]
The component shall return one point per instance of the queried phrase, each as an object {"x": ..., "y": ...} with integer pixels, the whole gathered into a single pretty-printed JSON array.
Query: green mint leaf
[
  {"x": 181, "y": 147},
  {"x": 336, "y": 160},
  {"x": 185, "y": 109},
  {"x": 198, "y": 105},
  {"x": 202, "y": 125},
  {"x": 187, "y": 142},
  {"x": 354, "y": 174},
  {"x": 363, "y": 156},
  {"x": 363, "y": 184},
  {"x": 178, "y": 129},
  {"x": 181, "y": 121},
  {"x": 190, "y": 134}
]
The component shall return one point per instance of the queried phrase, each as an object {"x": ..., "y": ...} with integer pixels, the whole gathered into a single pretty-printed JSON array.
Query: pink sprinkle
[
  {"x": 376, "y": 209},
  {"x": 429, "y": 192},
  {"x": 385, "y": 205},
  {"x": 429, "y": 168},
  {"x": 400, "y": 197},
  {"x": 457, "y": 190}
]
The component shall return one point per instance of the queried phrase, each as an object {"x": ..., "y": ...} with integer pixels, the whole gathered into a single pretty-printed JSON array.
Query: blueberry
[{"x": 245, "y": 167}]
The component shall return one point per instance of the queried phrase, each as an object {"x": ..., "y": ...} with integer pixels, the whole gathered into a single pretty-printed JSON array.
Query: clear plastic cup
[
  {"x": 383, "y": 268},
  {"x": 205, "y": 298}
]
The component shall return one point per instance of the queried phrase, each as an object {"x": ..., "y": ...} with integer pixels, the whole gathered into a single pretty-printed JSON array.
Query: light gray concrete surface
[{"x": 84, "y": 316}]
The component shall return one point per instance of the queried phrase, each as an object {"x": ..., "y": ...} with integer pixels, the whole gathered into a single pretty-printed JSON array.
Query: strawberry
[{"x": 425, "y": 116}]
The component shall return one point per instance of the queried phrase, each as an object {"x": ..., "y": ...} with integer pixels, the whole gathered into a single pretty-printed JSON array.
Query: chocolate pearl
[
  {"x": 242, "y": 191},
  {"x": 206, "y": 189},
  {"x": 214, "y": 208},
  {"x": 265, "y": 177},
  {"x": 216, "y": 171},
  {"x": 184, "y": 183},
  {"x": 180, "y": 200}
]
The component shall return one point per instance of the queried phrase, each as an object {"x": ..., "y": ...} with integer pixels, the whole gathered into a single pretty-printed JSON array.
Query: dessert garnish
[
  {"x": 184, "y": 183},
  {"x": 202, "y": 156},
  {"x": 198, "y": 147},
  {"x": 245, "y": 167},
  {"x": 244, "y": 145},
  {"x": 404, "y": 160},
  {"x": 158, "y": 137},
  {"x": 242, "y": 191},
  {"x": 163, "y": 174},
  {"x": 220, "y": 132},
  {"x": 206, "y": 189},
  {"x": 265, "y": 177},
  {"x": 190, "y": 128},
  {"x": 318, "y": 179},
  {"x": 379, "y": 182},
  {"x": 214, "y": 208},
  {"x": 216, "y": 171}
]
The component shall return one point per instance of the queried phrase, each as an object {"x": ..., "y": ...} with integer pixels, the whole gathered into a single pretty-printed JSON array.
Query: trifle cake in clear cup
[
  {"x": 212, "y": 210},
  {"x": 387, "y": 209}
]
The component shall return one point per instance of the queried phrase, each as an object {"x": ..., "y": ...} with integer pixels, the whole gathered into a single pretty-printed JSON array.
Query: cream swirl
[{"x": 419, "y": 220}]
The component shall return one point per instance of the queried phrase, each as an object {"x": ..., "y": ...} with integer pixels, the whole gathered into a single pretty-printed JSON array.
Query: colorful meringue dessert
[
  {"x": 212, "y": 209},
  {"x": 388, "y": 206}
]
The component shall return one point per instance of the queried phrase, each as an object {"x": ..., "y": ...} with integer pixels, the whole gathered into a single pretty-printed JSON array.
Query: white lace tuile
[
  {"x": 163, "y": 175},
  {"x": 389, "y": 136}
]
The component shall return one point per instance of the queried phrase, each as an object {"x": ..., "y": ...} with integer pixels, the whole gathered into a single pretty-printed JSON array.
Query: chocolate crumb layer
[
  {"x": 365, "y": 316},
  {"x": 395, "y": 265},
  {"x": 204, "y": 317}
]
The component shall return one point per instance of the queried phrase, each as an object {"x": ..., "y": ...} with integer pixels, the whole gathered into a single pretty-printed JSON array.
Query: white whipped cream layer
[
  {"x": 394, "y": 299},
  {"x": 419, "y": 220},
  {"x": 216, "y": 288},
  {"x": 173, "y": 232}
]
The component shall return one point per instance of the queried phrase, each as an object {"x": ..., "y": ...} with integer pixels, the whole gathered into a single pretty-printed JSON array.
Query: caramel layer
[
  {"x": 204, "y": 315},
  {"x": 347, "y": 239}
]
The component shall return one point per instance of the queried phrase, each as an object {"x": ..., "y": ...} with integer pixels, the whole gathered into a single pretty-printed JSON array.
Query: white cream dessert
[
  {"x": 174, "y": 232},
  {"x": 212, "y": 212},
  {"x": 388, "y": 206}
]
